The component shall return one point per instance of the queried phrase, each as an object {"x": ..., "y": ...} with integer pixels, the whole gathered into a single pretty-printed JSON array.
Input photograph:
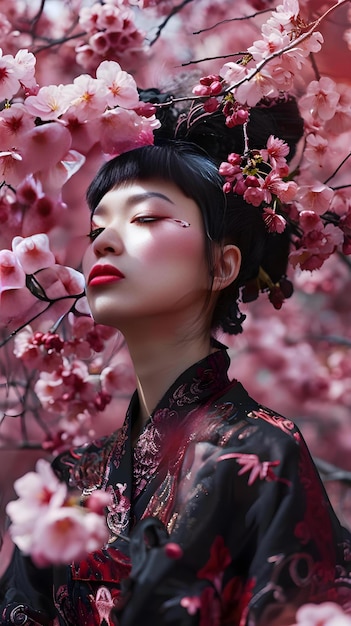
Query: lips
[{"x": 104, "y": 274}]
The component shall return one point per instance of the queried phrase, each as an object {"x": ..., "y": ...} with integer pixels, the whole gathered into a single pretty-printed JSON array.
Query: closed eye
[
  {"x": 94, "y": 233},
  {"x": 144, "y": 219}
]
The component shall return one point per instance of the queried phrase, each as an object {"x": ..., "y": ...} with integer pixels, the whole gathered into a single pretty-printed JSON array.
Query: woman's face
[{"x": 147, "y": 255}]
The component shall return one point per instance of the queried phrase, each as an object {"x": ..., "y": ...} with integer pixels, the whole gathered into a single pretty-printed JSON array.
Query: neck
[{"x": 159, "y": 358}]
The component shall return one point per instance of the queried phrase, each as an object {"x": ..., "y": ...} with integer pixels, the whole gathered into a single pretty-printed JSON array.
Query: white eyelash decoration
[{"x": 181, "y": 223}]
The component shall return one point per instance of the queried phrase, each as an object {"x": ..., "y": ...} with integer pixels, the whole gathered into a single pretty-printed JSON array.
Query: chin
[{"x": 102, "y": 317}]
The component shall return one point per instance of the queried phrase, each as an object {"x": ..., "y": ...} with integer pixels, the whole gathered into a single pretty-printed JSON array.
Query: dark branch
[{"x": 163, "y": 24}]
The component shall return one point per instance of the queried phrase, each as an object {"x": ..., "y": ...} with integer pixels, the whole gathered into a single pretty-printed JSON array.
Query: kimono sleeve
[
  {"x": 26, "y": 589},
  {"x": 298, "y": 551}
]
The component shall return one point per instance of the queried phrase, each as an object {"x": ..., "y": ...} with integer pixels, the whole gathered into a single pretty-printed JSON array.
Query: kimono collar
[{"x": 195, "y": 386}]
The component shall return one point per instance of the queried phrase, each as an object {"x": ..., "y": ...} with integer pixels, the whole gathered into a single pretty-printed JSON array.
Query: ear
[{"x": 227, "y": 266}]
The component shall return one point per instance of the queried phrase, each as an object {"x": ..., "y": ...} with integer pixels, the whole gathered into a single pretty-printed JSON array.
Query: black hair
[{"x": 227, "y": 218}]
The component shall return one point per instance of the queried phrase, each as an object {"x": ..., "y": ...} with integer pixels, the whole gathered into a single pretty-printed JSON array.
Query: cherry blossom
[
  {"x": 120, "y": 130},
  {"x": 48, "y": 525},
  {"x": 33, "y": 253},
  {"x": 122, "y": 89},
  {"x": 65, "y": 534},
  {"x": 48, "y": 103},
  {"x": 15, "y": 121},
  {"x": 9, "y": 78},
  {"x": 275, "y": 153},
  {"x": 314, "y": 197},
  {"x": 325, "y": 614},
  {"x": 12, "y": 275},
  {"x": 275, "y": 223},
  {"x": 86, "y": 97},
  {"x": 24, "y": 66},
  {"x": 321, "y": 98}
]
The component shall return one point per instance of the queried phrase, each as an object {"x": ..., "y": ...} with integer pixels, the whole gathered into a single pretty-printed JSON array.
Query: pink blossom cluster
[
  {"x": 111, "y": 34},
  {"x": 102, "y": 106},
  {"x": 260, "y": 177},
  {"x": 323, "y": 210},
  {"x": 320, "y": 212},
  {"x": 272, "y": 62},
  {"x": 31, "y": 281},
  {"x": 70, "y": 384},
  {"x": 47, "y": 522}
]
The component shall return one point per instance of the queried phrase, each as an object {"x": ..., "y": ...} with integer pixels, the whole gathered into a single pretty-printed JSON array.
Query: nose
[{"x": 108, "y": 242}]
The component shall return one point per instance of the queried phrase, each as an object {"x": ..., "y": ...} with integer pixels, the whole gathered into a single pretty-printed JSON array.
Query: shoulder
[
  {"x": 84, "y": 467},
  {"x": 244, "y": 422}
]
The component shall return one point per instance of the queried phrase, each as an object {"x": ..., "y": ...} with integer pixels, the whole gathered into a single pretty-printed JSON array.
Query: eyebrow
[{"x": 137, "y": 198}]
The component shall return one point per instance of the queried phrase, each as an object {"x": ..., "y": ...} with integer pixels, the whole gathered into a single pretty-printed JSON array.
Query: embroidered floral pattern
[
  {"x": 118, "y": 513},
  {"x": 262, "y": 470}
]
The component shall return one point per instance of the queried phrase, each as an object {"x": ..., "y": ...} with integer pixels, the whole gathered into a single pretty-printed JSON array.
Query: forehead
[{"x": 129, "y": 195}]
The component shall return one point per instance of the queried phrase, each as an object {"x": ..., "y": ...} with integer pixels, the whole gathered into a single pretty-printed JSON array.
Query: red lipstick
[{"x": 103, "y": 275}]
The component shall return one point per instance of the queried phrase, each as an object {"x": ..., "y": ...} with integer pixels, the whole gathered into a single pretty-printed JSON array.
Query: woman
[{"x": 216, "y": 502}]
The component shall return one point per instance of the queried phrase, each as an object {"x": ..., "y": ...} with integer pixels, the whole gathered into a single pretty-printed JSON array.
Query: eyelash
[
  {"x": 143, "y": 219},
  {"x": 94, "y": 233}
]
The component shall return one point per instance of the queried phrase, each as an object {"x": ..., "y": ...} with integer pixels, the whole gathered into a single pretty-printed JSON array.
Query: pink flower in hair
[
  {"x": 275, "y": 223},
  {"x": 285, "y": 190},
  {"x": 255, "y": 196},
  {"x": 276, "y": 152}
]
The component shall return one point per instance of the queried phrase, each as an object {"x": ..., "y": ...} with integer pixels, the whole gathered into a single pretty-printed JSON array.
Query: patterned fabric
[{"x": 235, "y": 488}]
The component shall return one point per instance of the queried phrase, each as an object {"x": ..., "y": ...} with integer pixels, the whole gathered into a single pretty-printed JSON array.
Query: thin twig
[
  {"x": 232, "y": 19},
  {"x": 163, "y": 24},
  {"x": 290, "y": 46},
  {"x": 337, "y": 169}
]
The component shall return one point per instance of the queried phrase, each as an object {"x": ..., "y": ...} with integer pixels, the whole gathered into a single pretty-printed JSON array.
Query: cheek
[{"x": 169, "y": 248}]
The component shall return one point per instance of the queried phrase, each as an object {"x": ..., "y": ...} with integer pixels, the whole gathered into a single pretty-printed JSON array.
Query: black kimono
[{"x": 245, "y": 531}]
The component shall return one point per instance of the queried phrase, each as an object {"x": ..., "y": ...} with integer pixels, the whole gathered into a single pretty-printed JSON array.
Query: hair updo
[{"x": 191, "y": 163}]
